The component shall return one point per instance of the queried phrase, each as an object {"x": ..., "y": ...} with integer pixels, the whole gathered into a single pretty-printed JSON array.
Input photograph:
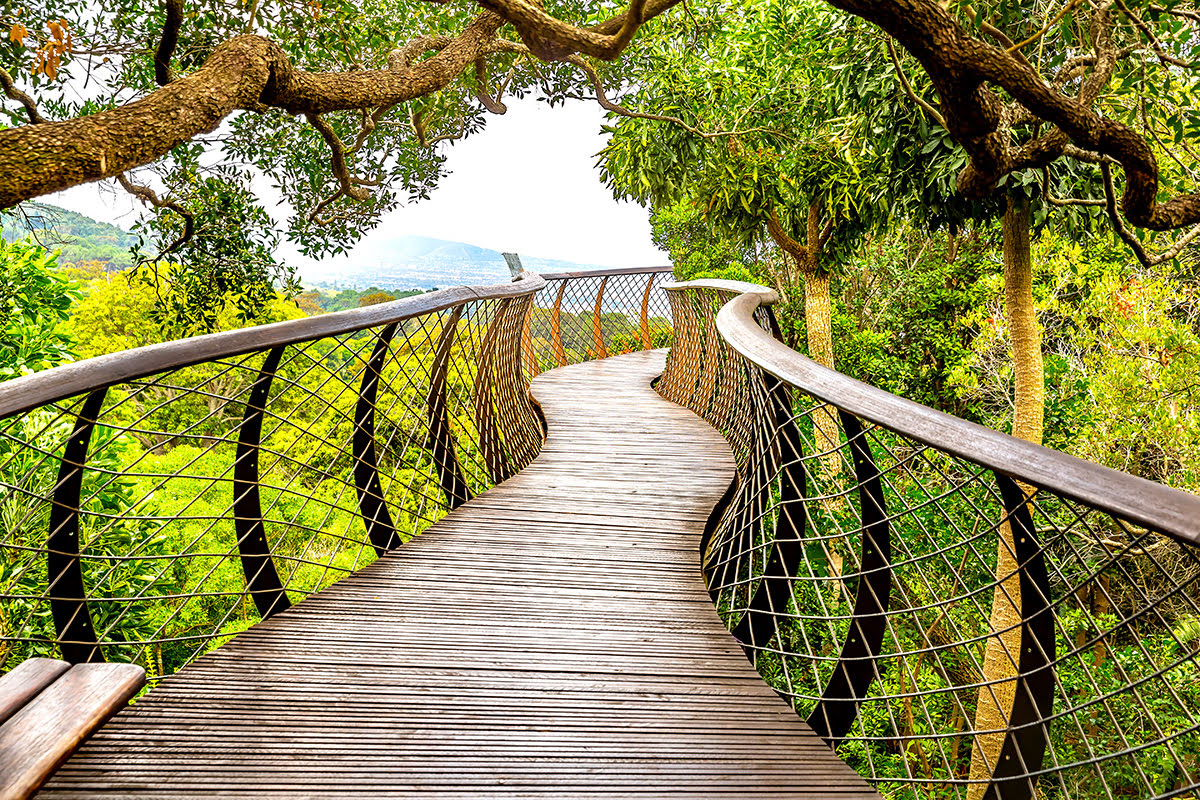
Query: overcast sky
[{"x": 526, "y": 184}]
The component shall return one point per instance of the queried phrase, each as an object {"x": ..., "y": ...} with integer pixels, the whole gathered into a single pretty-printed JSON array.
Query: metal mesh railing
[
  {"x": 581, "y": 316},
  {"x": 960, "y": 614},
  {"x": 156, "y": 502}
]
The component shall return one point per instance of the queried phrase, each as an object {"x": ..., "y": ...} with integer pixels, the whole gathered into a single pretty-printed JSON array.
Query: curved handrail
[
  {"x": 766, "y": 296},
  {"x": 946, "y": 604},
  {"x": 339, "y": 435},
  {"x": 30, "y": 391},
  {"x": 1145, "y": 502},
  {"x": 291, "y": 452},
  {"x": 604, "y": 273},
  {"x": 555, "y": 336}
]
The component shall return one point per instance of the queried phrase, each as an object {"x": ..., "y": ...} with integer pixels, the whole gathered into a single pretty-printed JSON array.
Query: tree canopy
[{"x": 345, "y": 106}]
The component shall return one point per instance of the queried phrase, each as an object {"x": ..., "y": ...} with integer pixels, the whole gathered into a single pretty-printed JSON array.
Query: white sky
[{"x": 526, "y": 184}]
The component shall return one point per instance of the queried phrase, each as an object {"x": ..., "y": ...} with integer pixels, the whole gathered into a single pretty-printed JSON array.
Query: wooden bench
[{"x": 47, "y": 707}]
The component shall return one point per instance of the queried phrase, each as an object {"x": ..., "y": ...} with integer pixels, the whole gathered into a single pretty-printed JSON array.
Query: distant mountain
[
  {"x": 380, "y": 260},
  {"x": 407, "y": 262},
  {"x": 80, "y": 238}
]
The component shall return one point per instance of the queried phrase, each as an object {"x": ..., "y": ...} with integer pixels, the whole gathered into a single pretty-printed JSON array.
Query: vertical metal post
[
  {"x": 857, "y": 666},
  {"x": 490, "y": 444},
  {"x": 560, "y": 354},
  {"x": 647, "y": 342},
  {"x": 441, "y": 440},
  {"x": 262, "y": 579},
  {"x": 381, "y": 531},
  {"x": 597, "y": 331},
  {"x": 68, "y": 599}
]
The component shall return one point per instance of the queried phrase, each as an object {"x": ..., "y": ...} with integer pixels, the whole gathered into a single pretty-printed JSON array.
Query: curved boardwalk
[{"x": 552, "y": 638}]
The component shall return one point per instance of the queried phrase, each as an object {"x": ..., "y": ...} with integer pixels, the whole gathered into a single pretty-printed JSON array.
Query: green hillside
[{"x": 80, "y": 238}]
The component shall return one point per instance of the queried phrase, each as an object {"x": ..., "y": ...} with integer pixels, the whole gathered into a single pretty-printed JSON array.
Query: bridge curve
[{"x": 553, "y": 637}]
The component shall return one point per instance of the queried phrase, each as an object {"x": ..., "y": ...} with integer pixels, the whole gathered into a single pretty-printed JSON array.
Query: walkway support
[{"x": 552, "y": 613}]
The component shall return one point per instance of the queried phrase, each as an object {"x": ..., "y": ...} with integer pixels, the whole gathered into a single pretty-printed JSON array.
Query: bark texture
[
  {"x": 818, "y": 316},
  {"x": 251, "y": 72},
  {"x": 1003, "y": 650}
]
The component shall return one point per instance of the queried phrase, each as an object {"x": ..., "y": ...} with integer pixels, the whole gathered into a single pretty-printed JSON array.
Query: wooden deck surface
[{"x": 552, "y": 638}]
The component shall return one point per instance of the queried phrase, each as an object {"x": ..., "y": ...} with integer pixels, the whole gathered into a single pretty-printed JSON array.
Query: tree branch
[
  {"x": 490, "y": 103},
  {"x": 243, "y": 73},
  {"x": 13, "y": 93},
  {"x": 908, "y": 89},
  {"x": 1147, "y": 259},
  {"x": 960, "y": 66},
  {"x": 149, "y": 197},
  {"x": 341, "y": 169},
  {"x": 784, "y": 239},
  {"x": 168, "y": 42},
  {"x": 603, "y": 100},
  {"x": 551, "y": 39}
]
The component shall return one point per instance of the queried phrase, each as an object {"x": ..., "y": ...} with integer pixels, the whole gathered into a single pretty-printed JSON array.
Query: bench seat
[{"x": 47, "y": 707}]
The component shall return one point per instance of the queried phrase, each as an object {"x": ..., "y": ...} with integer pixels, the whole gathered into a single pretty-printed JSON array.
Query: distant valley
[
  {"x": 406, "y": 262},
  {"x": 391, "y": 263}
]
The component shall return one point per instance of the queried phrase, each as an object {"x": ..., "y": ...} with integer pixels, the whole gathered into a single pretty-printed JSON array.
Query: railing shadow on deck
[{"x": 856, "y": 560}]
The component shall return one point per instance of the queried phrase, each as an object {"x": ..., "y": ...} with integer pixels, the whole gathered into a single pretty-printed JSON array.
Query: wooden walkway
[{"x": 552, "y": 638}]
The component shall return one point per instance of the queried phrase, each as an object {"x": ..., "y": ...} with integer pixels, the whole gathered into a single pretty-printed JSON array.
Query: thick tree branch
[
  {"x": 490, "y": 103},
  {"x": 242, "y": 73},
  {"x": 784, "y": 239},
  {"x": 1147, "y": 259},
  {"x": 168, "y": 42},
  {"x": 13, "y": 93},
  {"x": 960, "y": 67},
  {"x": 551, "y": 39}
]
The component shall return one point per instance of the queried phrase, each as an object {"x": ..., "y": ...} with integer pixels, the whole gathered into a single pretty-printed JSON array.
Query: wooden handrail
[
  {"x": 1141, "y": 501},
  {"x": 52, "y": 385},
  {"x": 603, "y": 273}
]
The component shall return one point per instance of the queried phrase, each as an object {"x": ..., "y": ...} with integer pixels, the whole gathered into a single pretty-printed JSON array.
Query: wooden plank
[
  {"x": 38, "y": 737},
  {"x": 24, "y": 681},
  {"x": 550, "y": 638}
]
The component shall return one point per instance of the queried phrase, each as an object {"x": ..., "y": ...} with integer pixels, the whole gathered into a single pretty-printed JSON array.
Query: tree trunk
[
  {"x": 818, "y": 321},
  {"x": 818, "y": 316},
  {"x": 1003, "y": 651}
]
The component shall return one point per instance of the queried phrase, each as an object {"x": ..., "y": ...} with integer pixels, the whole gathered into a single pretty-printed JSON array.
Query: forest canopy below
[{"x": 993, "y": 209}]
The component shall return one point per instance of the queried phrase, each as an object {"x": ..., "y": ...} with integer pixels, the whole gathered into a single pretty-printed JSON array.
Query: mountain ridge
[{"x": 405, "y": 261}]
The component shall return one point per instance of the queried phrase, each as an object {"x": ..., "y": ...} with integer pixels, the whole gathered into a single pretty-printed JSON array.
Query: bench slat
[
  {"x": 39, "y": 737},
  {"x": 25, "y": 680}
]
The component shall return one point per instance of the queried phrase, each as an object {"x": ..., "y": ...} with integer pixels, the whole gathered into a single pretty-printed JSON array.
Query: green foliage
[
  {"x": 34, "y": 302},
  {"x": 904, "y": 315},
  {"x": 749, "y": 81},
  {"x": 697, "y": 251},
  {"x": 229, "y": 259},
  {"x": 396, "y": 154},
  {"x": 107, "y": 530},
  {"x": 351, "y": 298}
]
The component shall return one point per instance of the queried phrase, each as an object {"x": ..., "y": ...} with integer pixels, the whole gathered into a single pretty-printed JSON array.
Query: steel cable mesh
[
  {"x": 215, "y": 494},
  {"x": 859, "y": 568},
  {"x": 584, "y": 316}
]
